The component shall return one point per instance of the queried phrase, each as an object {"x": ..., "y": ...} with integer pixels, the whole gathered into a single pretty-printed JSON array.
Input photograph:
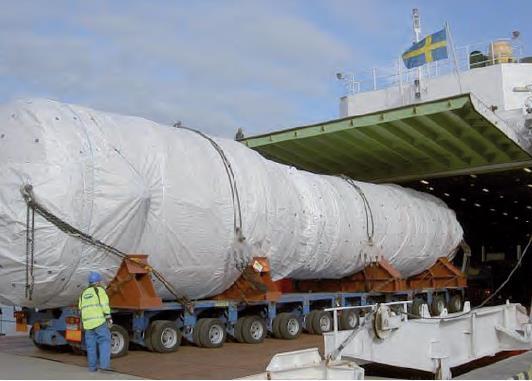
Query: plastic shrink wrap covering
[{"x": 163, "y": 191}]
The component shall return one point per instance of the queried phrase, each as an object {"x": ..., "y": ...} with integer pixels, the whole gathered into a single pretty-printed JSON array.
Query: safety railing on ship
[{"x": 460, "y": 59}]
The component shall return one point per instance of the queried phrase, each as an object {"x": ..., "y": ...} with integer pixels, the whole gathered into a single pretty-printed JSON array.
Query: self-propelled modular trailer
[{"x": 253, "y": 308}]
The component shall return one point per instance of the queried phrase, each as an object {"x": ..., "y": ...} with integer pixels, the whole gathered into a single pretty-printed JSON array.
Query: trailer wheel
[
  {"x": 196, "y": 332},
  {"x": 416, "y": 306},
  {"x": 147, "y": 337},
  {"x": 438, "y": 305},
  {"x": 238, "y": 329},
  {"x": 164, "y": 336},
  {"x": 321, "y": 322},
  {"x": 119, "y": 341},
  {"x": 42, "y": 347},
  {"x": 289, "y": 326},
  {"x": 76, "y": 349},
  {"x": 253, "y": 330},
  {"x": 275, "y": 328},
  {"x": 212, "y": 333},
  {"x": 348, "y": 320},
  {"x": 456, "y": 304},
  {"x": 308, "y": 321}
]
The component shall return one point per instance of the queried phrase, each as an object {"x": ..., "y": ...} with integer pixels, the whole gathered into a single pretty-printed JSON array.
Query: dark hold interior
[{"x": 495, "y": 211}]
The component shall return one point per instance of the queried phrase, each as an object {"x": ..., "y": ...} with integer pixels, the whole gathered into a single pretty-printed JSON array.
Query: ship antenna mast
[{"x": 416, "y": 24}]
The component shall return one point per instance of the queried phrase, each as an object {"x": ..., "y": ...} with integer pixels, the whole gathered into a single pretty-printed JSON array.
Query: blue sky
[{"x": 220, "y": 65}]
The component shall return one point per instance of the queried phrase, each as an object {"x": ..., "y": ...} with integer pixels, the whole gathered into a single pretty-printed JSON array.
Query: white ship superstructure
[{"x": 494, "y": 72}]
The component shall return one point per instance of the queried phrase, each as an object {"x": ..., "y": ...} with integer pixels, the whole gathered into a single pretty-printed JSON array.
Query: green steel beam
[
  {"x": 454, "y": 118},
  {"x": 356, "y": 121},
  {"x": 393, "y": 160},
  {"x": 287, "y": 155},
  {"x": 358, "y": 147},
  {"x": 338, "y": 152},
  {"x": 492, "y": 135},
  {"x": 382, "y": 140},
  {"x": 317, "y": 154},
  {"x": 403, "y": 131},
  {"x": 440, "y": 137},
  {"x": 432, "y": 138},
  {"x": 453, "y": 136},
  {"x": 456, "y": 172}
]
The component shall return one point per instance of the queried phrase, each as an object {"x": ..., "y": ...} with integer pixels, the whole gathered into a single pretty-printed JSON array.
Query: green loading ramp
[{"x": 446, "y": 137}]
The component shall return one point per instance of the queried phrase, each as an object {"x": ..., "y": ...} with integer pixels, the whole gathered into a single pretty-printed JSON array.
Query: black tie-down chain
[
  {"x": 30, "y": 249},
  {"x": 35, "y": 207}
]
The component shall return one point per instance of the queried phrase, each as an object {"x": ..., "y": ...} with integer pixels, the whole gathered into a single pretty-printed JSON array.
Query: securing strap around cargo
[
  {"x": 240, "y": 259},
  {"x": 30, "y": 249},
  {"x": 65, "y": 227},
  {"x": 370, "y": 224}
]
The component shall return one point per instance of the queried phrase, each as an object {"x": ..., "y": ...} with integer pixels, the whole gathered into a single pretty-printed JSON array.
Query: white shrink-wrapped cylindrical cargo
[{"x": 146, "y": 188}]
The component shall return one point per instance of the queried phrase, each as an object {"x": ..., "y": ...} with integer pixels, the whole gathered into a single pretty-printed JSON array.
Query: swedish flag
[{"x": 431, "y": 48}]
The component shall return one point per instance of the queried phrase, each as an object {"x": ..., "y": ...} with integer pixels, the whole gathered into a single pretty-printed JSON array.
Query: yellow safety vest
[{"x": 94, "y": 307}]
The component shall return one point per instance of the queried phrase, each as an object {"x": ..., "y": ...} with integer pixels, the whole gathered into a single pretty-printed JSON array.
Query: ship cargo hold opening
[{"x": 495, "y": 211}]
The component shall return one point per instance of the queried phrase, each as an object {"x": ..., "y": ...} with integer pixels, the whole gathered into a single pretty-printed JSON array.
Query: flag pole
[
  {"x": 416, "y": 25},
  {"x": 453, "y": 53}
]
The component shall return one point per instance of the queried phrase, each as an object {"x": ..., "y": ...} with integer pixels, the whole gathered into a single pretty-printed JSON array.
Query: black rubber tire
[
  {"x": 251, "y": 327},
  {"x": 348, "y": 320},
  {"x": 319, "y": 318},
  {"x": 76, "y": 349},
  {"x": 206, "y": 339},
  {"x": 42, "y": 347},
  {"x": 124, "y": 337},
  {"x": 238, "y": 329},
  {"x": 438, "y": 305},
  {"x": 147, "y": 337},
  {"x": 287, "y": 322},
  {"x": 308, "y": 321},
  {"x": 456, "y": 303},
  {"x": 159, "y": 327},
  {"x": 415, "y": 307},
  {"x": 275, "y": 328},
  {"x": 196, "y": 332}
]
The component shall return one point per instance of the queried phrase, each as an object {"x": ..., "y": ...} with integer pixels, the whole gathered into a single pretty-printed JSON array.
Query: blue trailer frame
[{"x": 52, "y": 323}]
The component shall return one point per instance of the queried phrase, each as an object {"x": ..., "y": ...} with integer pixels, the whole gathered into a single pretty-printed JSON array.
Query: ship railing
[{"x": 461, "y": 59}]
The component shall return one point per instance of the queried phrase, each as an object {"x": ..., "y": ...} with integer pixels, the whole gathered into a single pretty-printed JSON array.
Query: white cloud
[{"x": 214, "y": 65}]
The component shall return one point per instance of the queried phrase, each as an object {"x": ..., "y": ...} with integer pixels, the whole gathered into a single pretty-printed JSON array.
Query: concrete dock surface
[
  {"x": 234, "y": 360},
  {"x": 16, "y": 367},
  {"x": 20, "y": 359},
  {"x": 501, "y": 370}
]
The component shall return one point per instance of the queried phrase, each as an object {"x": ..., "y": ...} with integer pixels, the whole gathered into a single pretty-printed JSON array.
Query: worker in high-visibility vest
[{"x": 96, "y": 322}]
